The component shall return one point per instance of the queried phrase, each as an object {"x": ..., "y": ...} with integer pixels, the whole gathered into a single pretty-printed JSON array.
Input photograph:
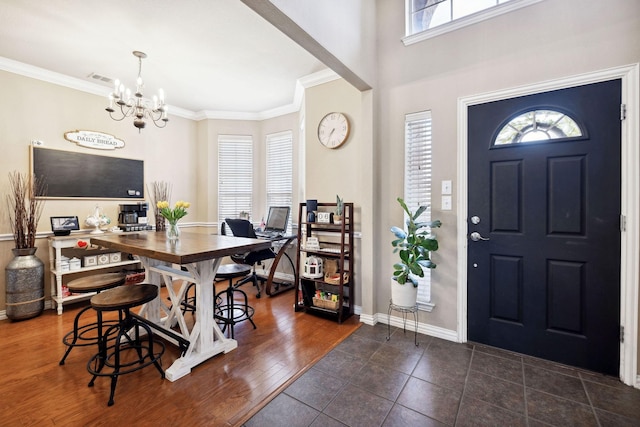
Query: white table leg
[{"x": 205, "y": 339}]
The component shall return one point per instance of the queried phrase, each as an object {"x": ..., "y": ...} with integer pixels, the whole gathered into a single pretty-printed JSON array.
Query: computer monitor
[
  {"x": 63, "y": 225},
  {"x": 277, "y": 219}
]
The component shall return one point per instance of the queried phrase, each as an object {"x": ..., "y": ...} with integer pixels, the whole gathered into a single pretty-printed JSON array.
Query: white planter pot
[{"x": 403, "y": 295}]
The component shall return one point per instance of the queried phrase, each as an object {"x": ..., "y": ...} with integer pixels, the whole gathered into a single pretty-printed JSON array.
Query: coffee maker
[{"x": 133, "y": 217}]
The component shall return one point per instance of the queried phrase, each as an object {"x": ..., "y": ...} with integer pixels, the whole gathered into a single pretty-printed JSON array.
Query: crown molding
[
  {"x": 303, "y": 83},
  {"x": 325, "y": 76},
  {"x": 38, "y": 73}
]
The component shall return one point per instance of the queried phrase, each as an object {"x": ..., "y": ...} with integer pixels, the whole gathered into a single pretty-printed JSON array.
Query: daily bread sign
[{"x": 91, "y": 139}]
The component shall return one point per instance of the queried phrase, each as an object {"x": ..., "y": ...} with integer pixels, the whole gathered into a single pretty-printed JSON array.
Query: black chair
[{"x": 244, "y": 228}]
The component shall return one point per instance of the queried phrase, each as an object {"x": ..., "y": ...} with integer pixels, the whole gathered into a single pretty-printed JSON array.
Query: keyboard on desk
[{"x": 269, "y": 234}]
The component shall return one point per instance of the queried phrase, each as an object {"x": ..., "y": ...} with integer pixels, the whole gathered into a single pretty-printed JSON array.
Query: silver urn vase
[{"x": 24, "y": 285}]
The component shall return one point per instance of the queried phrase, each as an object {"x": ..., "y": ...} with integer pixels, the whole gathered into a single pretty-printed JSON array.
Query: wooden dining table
[{"x": 193, "y": 258}]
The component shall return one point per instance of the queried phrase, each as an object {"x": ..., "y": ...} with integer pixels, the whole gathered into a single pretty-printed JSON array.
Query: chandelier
[{"x": 136, "y": 106}]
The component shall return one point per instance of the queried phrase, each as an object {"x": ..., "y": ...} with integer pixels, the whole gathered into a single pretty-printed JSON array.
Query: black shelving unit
[{"x": 336, "y": 243}]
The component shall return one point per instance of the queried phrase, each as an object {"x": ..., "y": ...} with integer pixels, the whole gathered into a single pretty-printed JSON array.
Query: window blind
[
  {"x": 235, "y": 175},
  {"x": 417, "y": 178},
  {"x": 280, "y": 170}
]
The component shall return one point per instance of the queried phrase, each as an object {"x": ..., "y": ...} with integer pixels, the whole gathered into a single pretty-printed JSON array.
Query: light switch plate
[{"x": 446, "y": 187}]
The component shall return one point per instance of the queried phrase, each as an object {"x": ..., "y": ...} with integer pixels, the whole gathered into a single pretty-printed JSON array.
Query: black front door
[{"x": 547, "y": 281}]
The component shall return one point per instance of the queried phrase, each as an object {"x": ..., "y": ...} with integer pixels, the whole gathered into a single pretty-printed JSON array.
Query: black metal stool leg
[
  {"x": 116, "y": 371},
  {"x": 75, "y": 332},
  {"x": 151, "y": 352},
  {"x": 246, "y": 305}
]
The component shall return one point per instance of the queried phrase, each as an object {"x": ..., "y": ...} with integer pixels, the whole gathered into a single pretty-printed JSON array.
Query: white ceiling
[{"x": 207, "y": 55}]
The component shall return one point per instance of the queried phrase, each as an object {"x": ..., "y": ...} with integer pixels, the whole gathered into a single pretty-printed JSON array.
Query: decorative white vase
[{"x": 403, "y": 295}]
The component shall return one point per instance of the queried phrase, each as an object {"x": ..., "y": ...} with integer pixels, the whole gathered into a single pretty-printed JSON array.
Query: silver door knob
[{"x": 476, "y": 237}]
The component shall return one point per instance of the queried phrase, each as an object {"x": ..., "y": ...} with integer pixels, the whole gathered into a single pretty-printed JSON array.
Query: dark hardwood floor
[{"x": 223, "y": 391}]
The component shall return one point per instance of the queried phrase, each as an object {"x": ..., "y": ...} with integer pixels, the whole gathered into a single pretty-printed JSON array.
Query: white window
[
  {"x": 417, "y": 182},
  {"x": 538, "y": 126},
  {"x": 280, "y": 170},
  {"x": 235, "y": 175},
  {"x": 429, "y": 18}
]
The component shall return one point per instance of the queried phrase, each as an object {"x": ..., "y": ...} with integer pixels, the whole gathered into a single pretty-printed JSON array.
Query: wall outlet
[{"x": 446, "y": 203}]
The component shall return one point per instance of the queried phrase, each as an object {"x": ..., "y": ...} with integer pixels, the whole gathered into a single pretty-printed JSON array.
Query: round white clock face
[{"x": 333, "y": 130}]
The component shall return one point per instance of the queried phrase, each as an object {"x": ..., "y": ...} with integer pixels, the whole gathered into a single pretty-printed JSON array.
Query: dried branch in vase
[
  {"x": 24, "y": 208},
  {"x": 158, "y": 191}
]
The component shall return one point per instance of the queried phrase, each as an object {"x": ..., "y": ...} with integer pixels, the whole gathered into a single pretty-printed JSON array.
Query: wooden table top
[{"x": 191, "y": 247}]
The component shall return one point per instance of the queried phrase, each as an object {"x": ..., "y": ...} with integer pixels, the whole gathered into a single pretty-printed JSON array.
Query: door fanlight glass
[{"x": 538, "y": 126}]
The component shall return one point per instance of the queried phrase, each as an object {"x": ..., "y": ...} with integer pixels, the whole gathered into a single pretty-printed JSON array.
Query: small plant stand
[{"x": 405, "y": 311}]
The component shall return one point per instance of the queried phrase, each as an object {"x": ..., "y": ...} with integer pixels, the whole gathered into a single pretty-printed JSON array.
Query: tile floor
[{"x": 367, "y": 381}]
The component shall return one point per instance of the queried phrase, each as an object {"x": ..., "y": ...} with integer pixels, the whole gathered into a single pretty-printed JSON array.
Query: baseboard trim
[{"x": 423, "y": 328}]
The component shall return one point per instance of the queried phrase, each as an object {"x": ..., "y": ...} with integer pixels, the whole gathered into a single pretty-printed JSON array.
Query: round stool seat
[
  {"x": 124, "y": 297},
  {"x": 99, "y": 282},
  {"x": 231, "y": 271}
]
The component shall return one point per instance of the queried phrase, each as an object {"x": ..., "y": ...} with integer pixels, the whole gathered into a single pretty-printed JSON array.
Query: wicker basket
[
  {"x": 325, "y": 303},
  {"x": 334, "y": 279}
]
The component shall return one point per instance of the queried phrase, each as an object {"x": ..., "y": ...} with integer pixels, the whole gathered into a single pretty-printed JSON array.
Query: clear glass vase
[{"x": 172, "y": 232}]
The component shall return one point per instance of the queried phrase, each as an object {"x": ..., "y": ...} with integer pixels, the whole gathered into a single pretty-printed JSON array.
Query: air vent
[{"x": 99, "y": 77}]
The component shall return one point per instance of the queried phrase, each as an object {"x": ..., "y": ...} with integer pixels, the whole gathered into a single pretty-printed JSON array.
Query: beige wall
[
  {"x": 184, "y": 154},
  {"x": 549, "y": 40},
  {"x": 344, "y": 171}
]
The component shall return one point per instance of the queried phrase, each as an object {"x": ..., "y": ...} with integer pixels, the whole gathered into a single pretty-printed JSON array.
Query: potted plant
[
  {"x": 24, "y": 275},
  {"x": 414, "y": 245},
  {"x": 337, "y": 215}
]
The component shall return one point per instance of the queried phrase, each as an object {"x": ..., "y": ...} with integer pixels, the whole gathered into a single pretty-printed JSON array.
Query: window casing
[
  {"x": 235, "y": 175},
  {"x": 280, "y": 171},
  {"x": 417, "y": 182},
  {"x": 425, "y": 19}
]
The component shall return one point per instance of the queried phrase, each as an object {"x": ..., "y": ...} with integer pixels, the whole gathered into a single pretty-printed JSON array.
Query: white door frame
[{"x": 630, "y": 173}]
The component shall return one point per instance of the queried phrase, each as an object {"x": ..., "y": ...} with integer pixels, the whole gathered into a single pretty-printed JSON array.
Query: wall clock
[{"x": 333, "y": 130}]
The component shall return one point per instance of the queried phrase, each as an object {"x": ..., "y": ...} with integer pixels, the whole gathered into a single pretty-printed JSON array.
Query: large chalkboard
[{"x": 69, "y": 174}]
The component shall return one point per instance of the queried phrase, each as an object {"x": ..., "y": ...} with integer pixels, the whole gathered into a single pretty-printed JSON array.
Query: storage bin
[{"x": 74, "y": 264}]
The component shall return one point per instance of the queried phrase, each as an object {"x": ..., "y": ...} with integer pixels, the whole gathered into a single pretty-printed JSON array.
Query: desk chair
[{"x": 244, "y": 228}]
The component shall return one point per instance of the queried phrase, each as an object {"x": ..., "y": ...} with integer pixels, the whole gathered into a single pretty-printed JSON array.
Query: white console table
[{"x": 56, "y": 245}]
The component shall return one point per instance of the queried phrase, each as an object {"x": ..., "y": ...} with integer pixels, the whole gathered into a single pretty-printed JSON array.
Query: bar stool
[
  {"x": 87, "y": 335},
  {"x": 127, "y": 340},
  {"x": 231, "y": 312}
]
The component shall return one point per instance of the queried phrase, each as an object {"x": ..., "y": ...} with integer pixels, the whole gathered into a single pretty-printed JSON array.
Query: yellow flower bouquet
[{"x": 173, "y": 215}]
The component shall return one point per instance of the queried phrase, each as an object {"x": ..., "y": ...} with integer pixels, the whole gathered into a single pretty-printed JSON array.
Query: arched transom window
[{"x": 538, "y": 126}]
